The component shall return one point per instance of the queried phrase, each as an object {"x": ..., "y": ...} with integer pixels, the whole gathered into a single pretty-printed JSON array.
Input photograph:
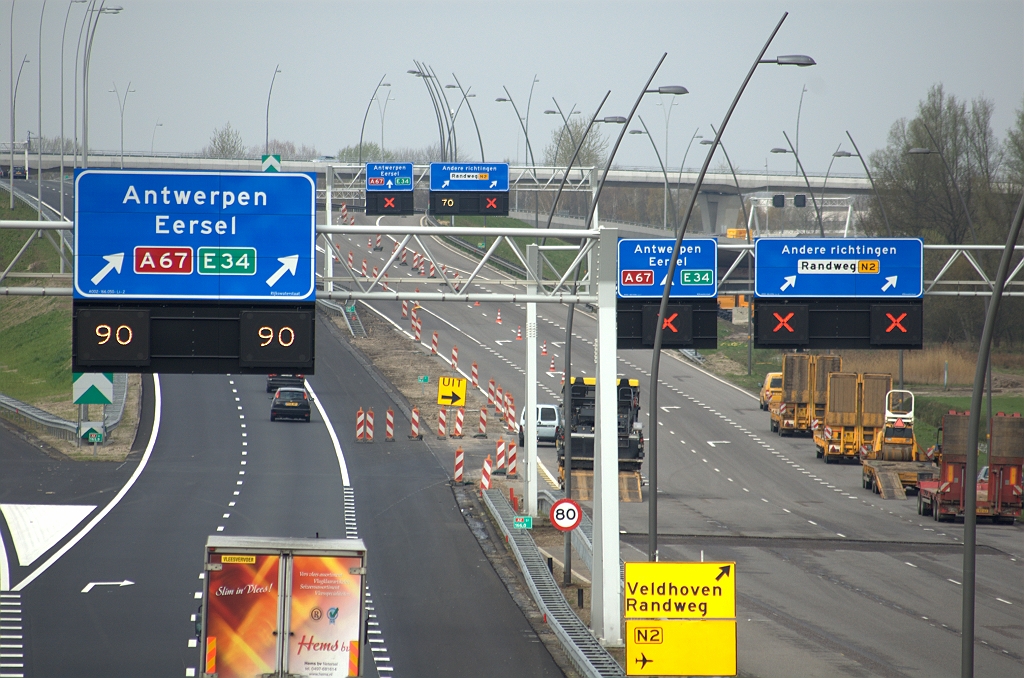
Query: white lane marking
[
  {"x": 334, "y": 436},
  {"x": 1004, "y": 601},
  {"x": 812, "y": 522},
  {"x": 36, "y": 528},
  {"x": 954, "y": 581},
  {"x": 157, "y": 404},
  {"x": 909, "y": 563}
]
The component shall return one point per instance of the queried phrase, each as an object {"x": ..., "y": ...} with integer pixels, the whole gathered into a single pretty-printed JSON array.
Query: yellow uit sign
[
  {"x": 680, "y": 590},
  {"x": 677, "y": 647},
  {"x": 451, "y": 391}
]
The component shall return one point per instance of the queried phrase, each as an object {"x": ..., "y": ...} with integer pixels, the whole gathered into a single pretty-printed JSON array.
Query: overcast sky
[{"x": 196, "y": 65}]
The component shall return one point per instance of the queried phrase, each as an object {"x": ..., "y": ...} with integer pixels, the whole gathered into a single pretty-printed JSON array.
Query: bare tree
[
  {"x": 563, "y": 143},
  {"x": 225, "y": 142}
]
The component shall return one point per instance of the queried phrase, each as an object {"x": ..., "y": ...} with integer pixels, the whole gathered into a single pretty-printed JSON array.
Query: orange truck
[
  {"x": 792, "y": 413},
  {"x": 854, "y": 415},
  {"x": 896, "y": 464},
  {"x": 1000, "y": 495}
]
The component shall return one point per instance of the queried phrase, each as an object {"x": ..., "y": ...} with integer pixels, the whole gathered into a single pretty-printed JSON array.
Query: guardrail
[
  {"x": 61, "y": 428},
  {"x": 584, "y": 651}
]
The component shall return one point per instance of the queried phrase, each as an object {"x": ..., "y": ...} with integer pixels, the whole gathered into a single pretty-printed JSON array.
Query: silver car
[{"x": 548, "y": 420}]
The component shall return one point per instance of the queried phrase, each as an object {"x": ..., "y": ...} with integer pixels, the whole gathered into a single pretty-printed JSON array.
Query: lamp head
[
  {"x": 614, "y": 119},
  {"x": 843, "y": 154},
  {"x": 920, "y": 151},
  {"x": 801, "y": 60},
  {"x": 672, "y": 89},
  {"x": 780, "y": 150}
]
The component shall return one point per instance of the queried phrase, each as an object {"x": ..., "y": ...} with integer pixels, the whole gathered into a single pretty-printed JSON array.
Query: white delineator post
[
  {"x": 530, "y": 435},
  {"x": 605, "y": 603}
]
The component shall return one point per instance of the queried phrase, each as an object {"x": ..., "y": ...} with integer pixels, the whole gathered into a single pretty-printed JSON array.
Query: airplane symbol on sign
[
  {"x": 667, "y": 323},
  {"x": 492, "y": 204},
  {"x": 783, "y": 322},
  {"x": 643, "y": 661},
  {"x": 389, "y": 202},
  {"x": 896, "y": 323}
]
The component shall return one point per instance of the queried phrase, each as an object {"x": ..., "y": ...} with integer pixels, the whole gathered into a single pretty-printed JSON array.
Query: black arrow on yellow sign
[
  {"x": 452, "y": 398},
  {"x": 724, "y": 572}
]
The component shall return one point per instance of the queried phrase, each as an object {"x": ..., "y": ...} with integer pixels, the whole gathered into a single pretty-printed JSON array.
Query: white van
[{"x": 548, "y": 420}]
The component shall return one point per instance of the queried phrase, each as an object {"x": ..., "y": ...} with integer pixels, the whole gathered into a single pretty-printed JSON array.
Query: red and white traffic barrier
[
  {"x": 369, "y": 426},
  {"x": 415, "y": 259},
  {"x": 433, "y": 271},
  {"x": 344, "y": 211},
  {"x": 350, "y": 255},
  {"x": 363, "y": 271},
  {"x": 444, "y": 268},
  {"x": 351, "y": 221},
  {"x": 482, "y": 430},
  {"x": 459, "y": 458},
  {"x": 375, "y": 272},
  {"x": 414, "y": 429},
  {"x": 473, "y": 376},
  {"x": 360, "y": 425},
  {"x": 423, "y": 270},
  {"x": 394, "y": 247},
  {"x": 433, "y": 344},
  {"x": 485, "y": 474},
  {"x": 490, "y": 391},
  {"x": 499, "y": 454},
  {"x": 499, "y": 399},
  {"x": 519, "y": 332},
  {"x": 389, "y": 426},
  {"x": 417, "y": 328},
  {"x": 442, "y": 423},
  {"x": 460, "y": 415},
  {"x": 455, "y": 357},
  {"x": 404, "y": 262},
  {"x": 378, "y": 247},
  {"x": 498, "y": 319},
  {"x": 405, "y": 308},
  {"x": 384, "y": 284},
  {"x": 544, "y": 348},
  {"x": 369, "y": 244},
  {"x": 510, "y": 412},
  {"x": 512, "y": 465}
]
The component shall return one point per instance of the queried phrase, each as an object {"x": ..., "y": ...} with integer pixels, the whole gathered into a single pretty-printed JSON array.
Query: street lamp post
[
  {"x": 121, "y": 104},
  {"x": 682, "y": 165},
  {"x": 14, "y": 101},
  {"x": 807, "y": 181},
  {"x": 874, "y": 188},
  {"x": 63, "y": 36},
  {"x": 152, "y": 141},
  {"x": 266, "y": 141},
  {"x": 442, "y": 126},
  {"x": 466, "y": 96},
  {"x": 652, "y": 455},
  {"x": 565, "y": 125},
  {"x": 667, "y": 113},
  {"x": 369, "y": 103},
  {"x": 799, "y": 109},
  {"x": 664, "y": 172},
  {"x": 86, "y": 62},
  {"x": 39, "y": 124},
  {"x": 533, "y": 163},
  {"x": 383, "y": 112},
  {"x": 746, "y": 225}
]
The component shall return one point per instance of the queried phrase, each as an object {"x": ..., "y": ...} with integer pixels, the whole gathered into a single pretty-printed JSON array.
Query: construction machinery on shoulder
[
  {"x": 895, "y": 463},
  {"x": 582, "y": 419}
]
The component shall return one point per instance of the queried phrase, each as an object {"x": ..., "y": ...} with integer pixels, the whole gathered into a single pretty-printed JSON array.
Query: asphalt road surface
[
  {"x": 219, "y": 466},
  {"x": 831, "y": 579}
]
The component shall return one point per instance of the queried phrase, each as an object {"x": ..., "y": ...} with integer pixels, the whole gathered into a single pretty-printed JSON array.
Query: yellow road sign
[
  {"x": 677, "y": 647},
  {"x": 451, "y": 391},
  {"x": 680, "y": 590}
]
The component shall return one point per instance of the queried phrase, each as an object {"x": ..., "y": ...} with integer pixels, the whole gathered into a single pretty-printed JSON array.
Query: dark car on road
[
  {"x": 276, "y": 381},
  {"x": 20, "y": 173},
  {"x": 290, "y": 403}
]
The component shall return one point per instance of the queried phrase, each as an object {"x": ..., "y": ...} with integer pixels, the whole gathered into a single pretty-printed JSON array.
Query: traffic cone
[
  {"x": 498, "y": 319},
  {"x": 476, "y": 303},
  {"x": 552, "y": 365},
  {"x": 519, "y": 333},
  {"x": 543, "y": 348}
]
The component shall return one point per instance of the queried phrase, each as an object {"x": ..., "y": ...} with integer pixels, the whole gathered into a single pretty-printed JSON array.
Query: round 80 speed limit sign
[{"x": 565, "y": 515}]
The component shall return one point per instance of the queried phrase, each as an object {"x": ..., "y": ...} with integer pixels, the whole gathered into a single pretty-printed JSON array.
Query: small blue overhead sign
[
  {"x": 643, "y": 268},
  {"x": 452, "y": 176},
  {"x": 838, "y": 267},
  {"x": 194, "y": 235},
  {"x": 389, "y": 176}
]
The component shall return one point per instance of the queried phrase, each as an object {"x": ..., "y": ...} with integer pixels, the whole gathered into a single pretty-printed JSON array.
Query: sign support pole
[
  {"x": 605, "y": 603},
  {"x": 530, "y": 412},
  {"x": 329, "y": 250}
]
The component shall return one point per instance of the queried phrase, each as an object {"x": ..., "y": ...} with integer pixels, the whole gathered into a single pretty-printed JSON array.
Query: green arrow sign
[
  {"x": 271, "y": 163},
  {"x": 92, "y": 388}
]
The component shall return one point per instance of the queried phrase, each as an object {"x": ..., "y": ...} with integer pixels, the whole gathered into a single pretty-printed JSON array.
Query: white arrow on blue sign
[
  {"x": 643, "y": 268},
  {"x": 194, "y": 235},
  {"x": 389, "y": 176},
  {"x": 838, "y": 267},
  {"x": 453, "y": 176}
]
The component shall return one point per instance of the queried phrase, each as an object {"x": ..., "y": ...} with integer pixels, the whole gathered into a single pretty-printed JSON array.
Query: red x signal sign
[
  {"x": 389, "y": 203},
  {"x": 666, "y": 324},
  {"x": 783, "y": 321},
  {"x": 492, "y": 204},
  {"x": 896, "y": 322}
]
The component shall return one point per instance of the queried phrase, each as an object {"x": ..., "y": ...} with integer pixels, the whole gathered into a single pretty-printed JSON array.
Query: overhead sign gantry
[
  {"x": 389, "y": 188},
  {"x": 469, "y": 188}
]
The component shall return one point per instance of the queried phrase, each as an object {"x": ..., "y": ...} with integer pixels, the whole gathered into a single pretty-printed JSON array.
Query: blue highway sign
[
  {"x": 389, "y": 176},
  {"x": 838, "y": 267},
  {"x": 451, "y": 176},
  {"x": 194, "y": 235},
  {"x": 643, "y": 268}
]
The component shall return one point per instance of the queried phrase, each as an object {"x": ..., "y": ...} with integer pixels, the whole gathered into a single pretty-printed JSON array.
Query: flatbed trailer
[
  {"x": 1000, "y": 497},
  {"x": 794, "y": 411},
  {"x": 895, "y": 464}
]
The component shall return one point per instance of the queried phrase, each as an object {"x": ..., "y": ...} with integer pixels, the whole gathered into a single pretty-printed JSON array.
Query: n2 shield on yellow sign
[
  {"x": 677, "y": 647},
  {"x": 680, "y": 590},
  {"x": 451, "y": 391}
]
